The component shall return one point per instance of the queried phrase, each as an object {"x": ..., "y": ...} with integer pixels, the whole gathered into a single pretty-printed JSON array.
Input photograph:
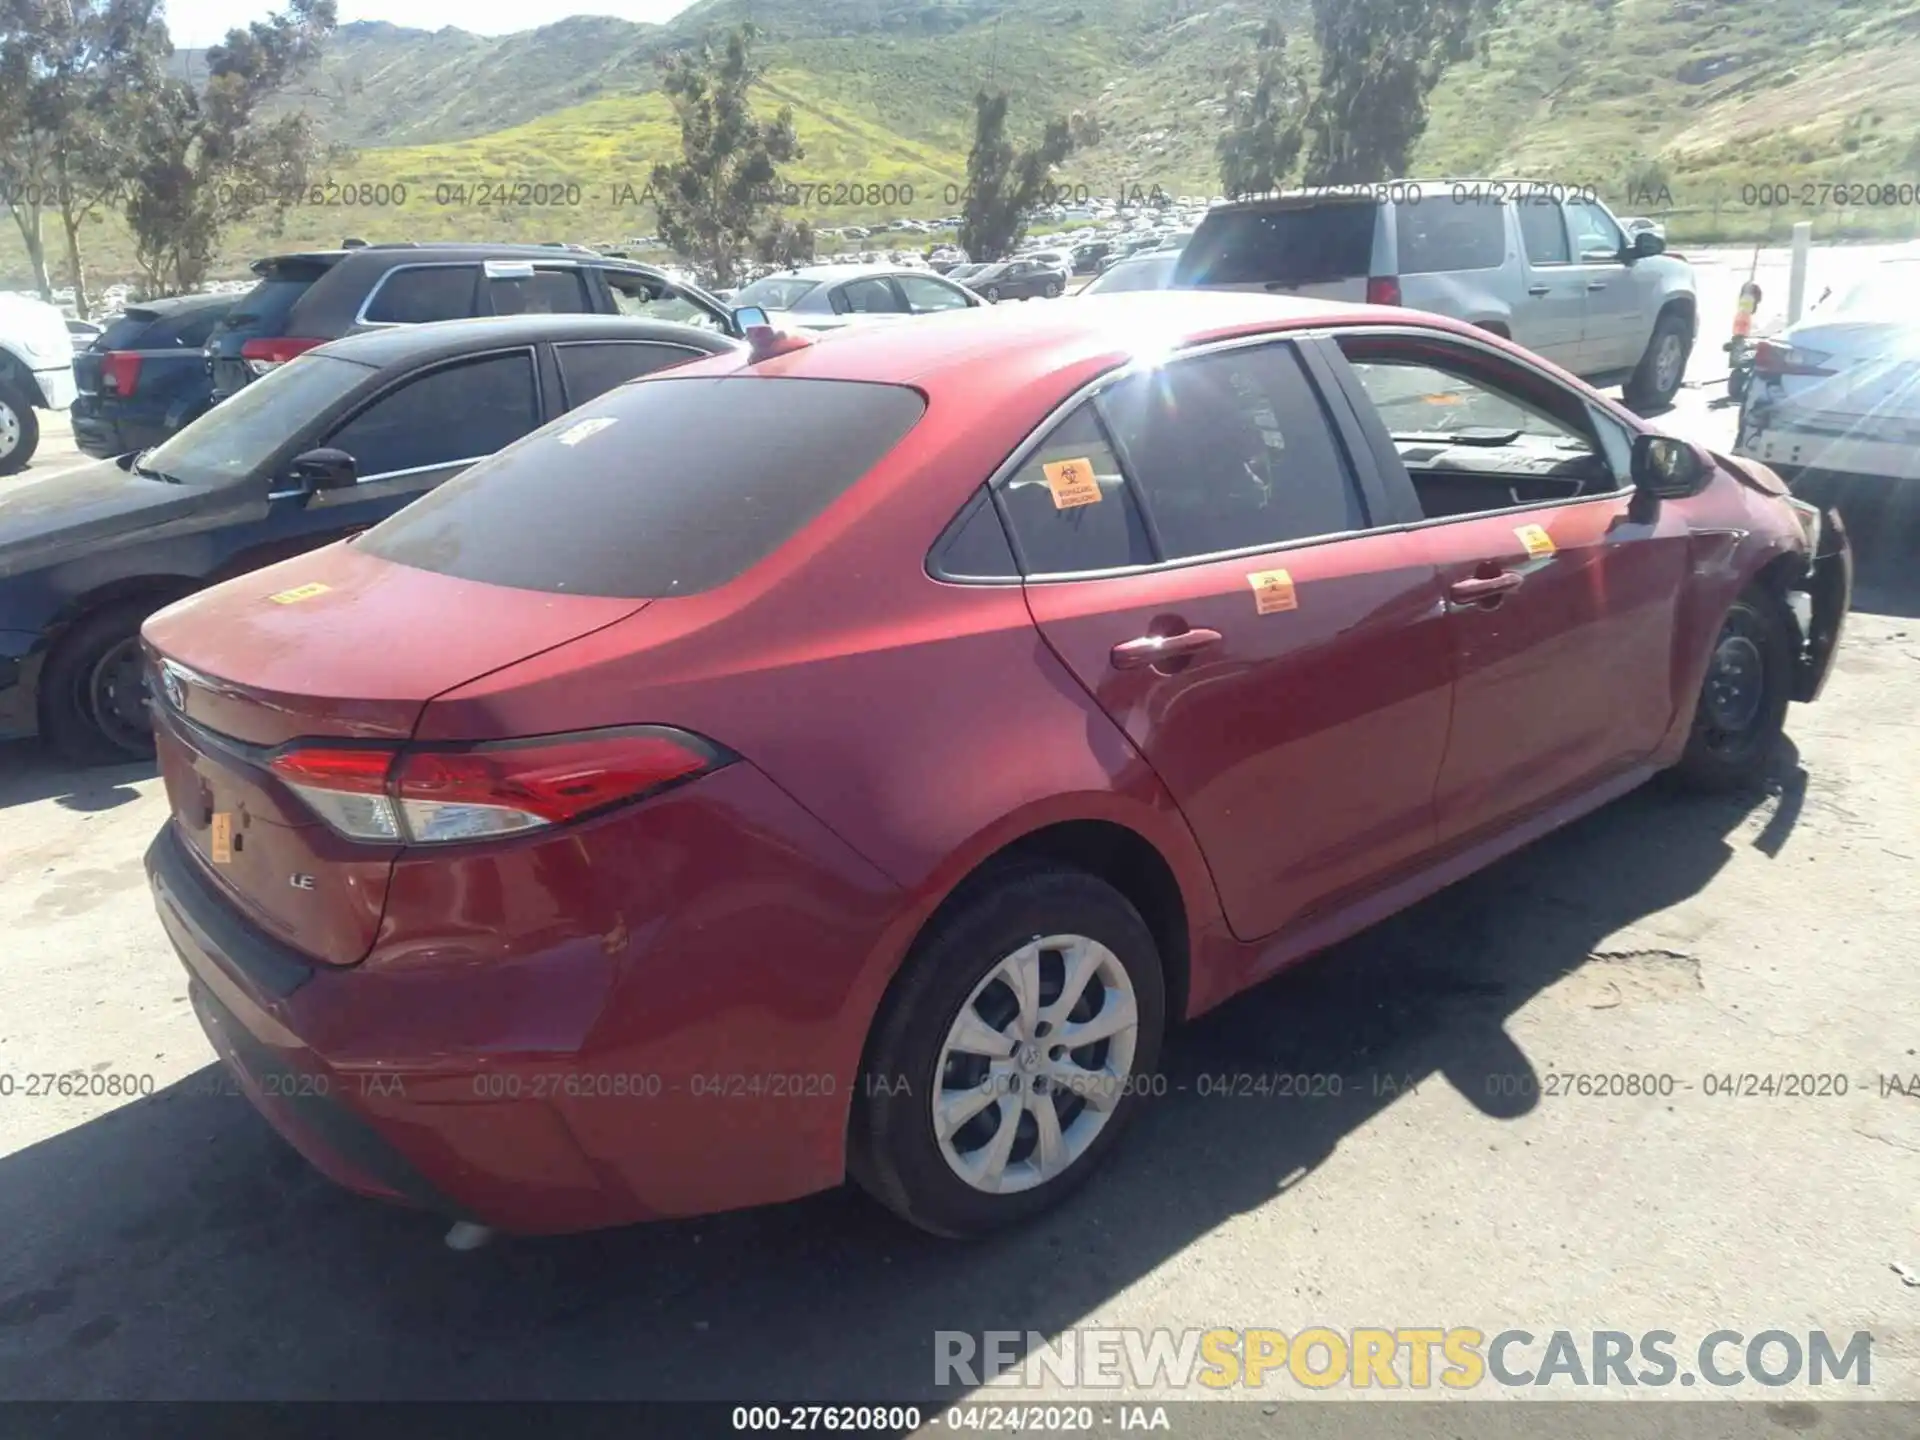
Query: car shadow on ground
[
  {"x": 29, "y": 772},
  {"x": 176, "y": 1248}
]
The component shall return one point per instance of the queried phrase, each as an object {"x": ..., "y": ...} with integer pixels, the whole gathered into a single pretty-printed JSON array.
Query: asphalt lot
[{"x": 172, "y": 1246}]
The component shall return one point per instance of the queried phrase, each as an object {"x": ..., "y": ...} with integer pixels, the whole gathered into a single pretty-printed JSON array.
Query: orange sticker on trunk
[
  {"x": 1273, "y": 590},
  {"x": 299, "y": 593},
  {"x": 1539, "y": 544},
  {"x": 221, "y": 839},
  {"x": 1072, "y": 483}
]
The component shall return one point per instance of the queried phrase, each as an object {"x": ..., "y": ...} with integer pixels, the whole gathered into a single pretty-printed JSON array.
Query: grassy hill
[{"x": 1695, "y": 104}]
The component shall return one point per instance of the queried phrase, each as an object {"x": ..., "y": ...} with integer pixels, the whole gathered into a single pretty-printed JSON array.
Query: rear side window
[
  {"x": 1070, "y": 508},
  {"x": 265, "y": 307},
  {"x": 667, "y": 488},
  {"x": 423, "y": 294},
  {"x": 458, "y": 412},
  {"x": 1303, "y": 245},
  {"x": 1543, "y": 232},
  {"x": 545, "y": 292},
  {"x": 1434, "y": 237},
  {"x": 866, "y": 297},
  {"x": 1231, "y": 451},
  {"x": 590, "y": 370}
]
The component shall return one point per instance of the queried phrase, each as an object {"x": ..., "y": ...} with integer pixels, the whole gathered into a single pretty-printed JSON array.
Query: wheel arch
[
  {"x": 15, "y": 370},
  {"x": 160, "y": 589}
]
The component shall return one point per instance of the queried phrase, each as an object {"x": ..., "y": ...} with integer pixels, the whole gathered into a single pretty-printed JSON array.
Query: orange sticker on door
[
  {"x": 1539, "y": 544},
  {"x": 1273, "y": 590},
  {"x": 220, "y": 842},
  {"x": 1072, "y": 483},
  {"x": 299, "y": 593}
]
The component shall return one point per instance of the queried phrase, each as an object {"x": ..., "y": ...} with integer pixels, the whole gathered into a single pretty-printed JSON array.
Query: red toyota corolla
[{"x": 851, "y": 758}]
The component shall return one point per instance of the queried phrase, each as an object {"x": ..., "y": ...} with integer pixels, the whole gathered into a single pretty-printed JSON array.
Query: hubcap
[
  {"x": 1666, "y": 362},
  {"x": 1035, "y": 1064},
  {"x": 9, "y": 430},
  {"x": 1735, "y": 684},
  {"x": 117, "y": 697}
]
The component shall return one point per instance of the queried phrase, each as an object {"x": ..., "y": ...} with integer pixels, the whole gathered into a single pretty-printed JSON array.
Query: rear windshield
[
  {"x": 268, "y": 303},
  {"x": 660, "y": 488},
  {"x": 1300, "y": 245},
  {"x": 125, "y": 333}
]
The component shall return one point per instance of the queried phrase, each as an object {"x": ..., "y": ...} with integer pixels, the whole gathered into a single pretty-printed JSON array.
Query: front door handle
[
  {"x": 1155, "y": 649},
  {"x": 1485, "y": 587},
  {"x": 1593, "y": 285},
  {"x": 1539, "y": 290}
]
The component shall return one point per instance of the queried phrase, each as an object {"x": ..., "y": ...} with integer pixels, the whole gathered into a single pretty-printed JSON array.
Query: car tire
[
  {"x": 1054, "y": 287},
  {"x": 1742, "y": 707},
  {"x": 957, "y": 982},
  {"x": 19, "y": 428},
  {"x": 1657, "y": 378},
  {"x": 993, "y": 294},
  {"x": 86, "y": 716}
]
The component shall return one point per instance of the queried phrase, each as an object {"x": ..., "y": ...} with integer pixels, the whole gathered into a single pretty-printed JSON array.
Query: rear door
[
  {"x": 518, "y": 288},
  {"x": 1314, "y": 246},
  {"x": 1549, "y": 319},
  {"x": 1198, "y": 553},
  {"x": 1561, "y": 588}
]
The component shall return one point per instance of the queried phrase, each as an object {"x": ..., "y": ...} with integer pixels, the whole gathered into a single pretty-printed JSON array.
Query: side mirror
[
  {"x": 1667, "y": 468},
  {"x": 1646, "y": 244},
  {"x": 748, "y": 316},
  {"x": 323, "y": 469}
]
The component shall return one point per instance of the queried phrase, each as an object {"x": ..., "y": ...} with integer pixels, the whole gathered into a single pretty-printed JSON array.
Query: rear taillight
[
  {"x": 429, "y": 796},
  {"x": 119, "y": 372},
  {"x": 1383, "y": 290},
  {"x": 264, "y": 355},
  {"x": 1770, "y": 357}
]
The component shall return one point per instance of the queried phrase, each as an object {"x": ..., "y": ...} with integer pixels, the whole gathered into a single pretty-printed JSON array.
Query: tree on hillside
[
  {"x": 713, "y": 199},
  {"x": 1265, "y": 113},
  {"x": 74, "y": 81},
  {"x": 1004, "y": 182},
  {"x": 207, "y": 157},
  {"x": 1379, "y": 62}
]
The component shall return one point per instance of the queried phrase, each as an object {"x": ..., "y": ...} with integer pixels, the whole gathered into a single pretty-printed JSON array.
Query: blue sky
[{"x": 195, "y": 23}]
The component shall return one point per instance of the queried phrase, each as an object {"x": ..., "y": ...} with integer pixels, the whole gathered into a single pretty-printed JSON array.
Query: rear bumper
[
  {"x": 508, "y": 1069},
  {"x": 57, "y": 386},
  {"x": 104, "y": 436}
]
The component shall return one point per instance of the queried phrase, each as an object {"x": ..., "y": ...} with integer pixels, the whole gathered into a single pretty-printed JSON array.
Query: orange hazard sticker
[
  {"x": 221, "y": 840},
  {"x": 1273, "y": 590},
  {"x": 1072, "y": 483},
  {"x": 1539, "y": 544},
  {"x": 299, "y": 593}
]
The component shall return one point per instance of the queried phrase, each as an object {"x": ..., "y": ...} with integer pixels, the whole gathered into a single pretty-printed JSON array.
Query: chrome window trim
[{"x": 360, "y": 316}]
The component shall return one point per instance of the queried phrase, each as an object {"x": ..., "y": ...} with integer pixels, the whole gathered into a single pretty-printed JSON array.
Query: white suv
[
  {"x": 1546, "y": 265},
  {"x": 36, "y": 373}
]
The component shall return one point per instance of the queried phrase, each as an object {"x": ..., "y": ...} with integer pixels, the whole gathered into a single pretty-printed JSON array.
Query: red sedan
[{"x": 850, "y": 758}]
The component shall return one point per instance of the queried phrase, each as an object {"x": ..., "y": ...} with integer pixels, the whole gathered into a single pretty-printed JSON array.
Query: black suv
[
  {"x": 309, "y": 298},
  {"x": 145, "y": 376}
]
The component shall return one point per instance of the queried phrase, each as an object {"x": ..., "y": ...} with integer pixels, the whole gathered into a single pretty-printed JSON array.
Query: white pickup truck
[{"x": 36, "y": 373}]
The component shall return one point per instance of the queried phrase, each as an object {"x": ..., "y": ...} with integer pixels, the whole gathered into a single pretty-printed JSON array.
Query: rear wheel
[
  {"x": 1743, "y": 699},
  {"x": 93, "y": 693},
  {"x": 19, "y": 429},
  {"x": 993, "y": 294},
  {"x": 1054, "y": 287},
  {"x": 1013, "y": 1049},
  {"x": 1657, "y": 379}
]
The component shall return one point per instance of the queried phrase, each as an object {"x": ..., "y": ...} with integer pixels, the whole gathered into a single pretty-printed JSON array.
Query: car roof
[
  {"x": 176, "y": 304},
  {"x": 851, "y": 270},
  {"x": 398, "y": 344},
  {"x": 416, "y": 252}
]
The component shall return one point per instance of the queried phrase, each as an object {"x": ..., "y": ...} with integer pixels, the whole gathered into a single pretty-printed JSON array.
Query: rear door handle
[
  {"x": 1486, "y": 587},
  {"x": 1598, "y": 284},
  {"x": 1539, "y": 290},
  {"x": 1153, "y": 649}
]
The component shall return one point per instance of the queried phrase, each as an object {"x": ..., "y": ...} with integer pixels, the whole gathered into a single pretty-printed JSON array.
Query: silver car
[
  {"x": 1840, "y": 391},
  {"x": 1546, "y": 265},
  {"x": 830, "y": 297},
  {"x": 1152, "y": 271}
]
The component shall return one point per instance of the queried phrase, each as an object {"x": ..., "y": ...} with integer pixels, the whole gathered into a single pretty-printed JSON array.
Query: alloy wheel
[
  {"x": 9, "y": 430},
  {"x": 1667, "y": 360}
]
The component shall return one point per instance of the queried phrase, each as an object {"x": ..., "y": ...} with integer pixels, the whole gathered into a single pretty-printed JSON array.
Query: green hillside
[{"x": 1702, "y": 103}]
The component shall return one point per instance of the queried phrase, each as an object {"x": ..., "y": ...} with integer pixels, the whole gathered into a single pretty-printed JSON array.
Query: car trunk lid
[{"x": 335, "y": 647}]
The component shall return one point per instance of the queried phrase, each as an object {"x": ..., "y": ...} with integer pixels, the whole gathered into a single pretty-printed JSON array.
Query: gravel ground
[{"x": 172, "y": 1246}]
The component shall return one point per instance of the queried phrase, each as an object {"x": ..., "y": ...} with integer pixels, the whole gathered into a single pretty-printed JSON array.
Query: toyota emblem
[{"x": 173, "y": 686}]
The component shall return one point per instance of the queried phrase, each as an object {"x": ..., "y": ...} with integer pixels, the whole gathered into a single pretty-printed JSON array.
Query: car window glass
[
  {"x": 775, "y": 292},
  {"x": 545, "y": 292},
  {"x": 926, "y": 295},
  {"x": 1543, "y": 232},
  {"x": 1594, "y": 232},
  {"x": 1434, "y": 237},
  {"x": 1616, "y": 443},
  {"x": 1062, "y": 521},
  {"x": 458, "y": 412},
  {"x": 1294, "y": 245},
  {"x": 233, "y": 439},
  {"x": 636, "y": 295},
  {"x": 593, "y": 369},
  {"x": 126, "y": 332},
  {"x": 872, "y": 296},
  {"x": 195, "y": 328},
  {"x": 424, "y": 294},
  {"x": 1417, "y": 400},
  {"x": 1231, "y": 451},
  {"x": 976, "y": 548}
]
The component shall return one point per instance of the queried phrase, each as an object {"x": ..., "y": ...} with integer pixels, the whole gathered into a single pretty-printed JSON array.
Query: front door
[
  {"x": 1615, "y": 331},
  {"x": 1285, "y": 671}
]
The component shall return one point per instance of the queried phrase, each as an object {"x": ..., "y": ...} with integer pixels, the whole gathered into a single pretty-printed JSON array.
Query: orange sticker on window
[
  {"x": 1273, "y": 590},
  {"x": 299, "y": 593},
  {"x": 1539, "y": 544},
  {"x": 221, "y": 840},
  {"x": 1072, "y": 483}
]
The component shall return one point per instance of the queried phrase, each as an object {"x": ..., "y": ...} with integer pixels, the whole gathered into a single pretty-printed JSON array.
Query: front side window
[
  {"x": 421, "y": 294},
  {"x": 1543, "y": 232},
  {"x": 1595, "y": 236},
  {"x": 637, "y": 295},
  {"x": 1231, "y": 451},
  {"x": 232, "y": 440},
  {"x": 458, "y": 412}
]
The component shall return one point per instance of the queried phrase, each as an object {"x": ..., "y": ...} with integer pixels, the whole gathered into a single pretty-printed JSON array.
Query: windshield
[
  {"x": 775, "y": 292},
  {"x": 234, "y": 439},
  {"x": 1154, "y": 274}
]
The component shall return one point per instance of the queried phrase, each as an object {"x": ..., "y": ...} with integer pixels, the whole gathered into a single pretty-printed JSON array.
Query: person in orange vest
[{"x": 1739, "y": 348}]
